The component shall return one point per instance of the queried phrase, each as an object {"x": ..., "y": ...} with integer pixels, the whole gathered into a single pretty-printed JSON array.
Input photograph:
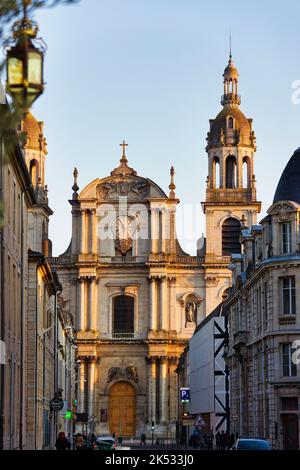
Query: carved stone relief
[
  {"x": 136, "y": 190},
  {"x": 129, "y": 373}
]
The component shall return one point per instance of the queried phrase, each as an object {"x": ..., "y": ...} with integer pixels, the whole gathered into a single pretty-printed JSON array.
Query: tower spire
[{"x": 231, "y": 78}]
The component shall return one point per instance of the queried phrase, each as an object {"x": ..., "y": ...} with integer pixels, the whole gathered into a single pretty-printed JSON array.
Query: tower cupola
[{"x": 231, "y": 79}]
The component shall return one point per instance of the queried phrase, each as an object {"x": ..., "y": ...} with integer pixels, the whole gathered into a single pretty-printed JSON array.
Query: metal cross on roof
[{"x": 124, "y": 145}]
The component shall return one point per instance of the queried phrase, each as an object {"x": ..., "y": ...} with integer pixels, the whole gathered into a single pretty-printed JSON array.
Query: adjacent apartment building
[
  {"x": 37, "y": 341},
  {"x": 263, "y": 315}
]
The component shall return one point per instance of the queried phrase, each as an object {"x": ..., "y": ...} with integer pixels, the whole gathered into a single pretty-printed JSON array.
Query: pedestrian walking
[
  {"x": 227, "y": 440},
  {"x": 218, "y": 440},
  {"x": 62, "y": 442},
  {"x": 222, "y": 440},
  {"x": 79, "y": 442},
  {"x": 143, "y": 439},
  {"x": 210, "y": 440}
]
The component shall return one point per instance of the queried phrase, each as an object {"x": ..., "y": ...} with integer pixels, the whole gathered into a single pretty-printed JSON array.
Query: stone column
[
  {"x": 172, "y": 244},
  {"x": 153, "y": 303},
  {"x": 75, "y": 229},
  {"x": 164, "y": 230},
  {"x": 222, "y": 171},
  {"x": 173, "y": 391},
  {"x": 152, "y": 379},
  {"x": 154, "y": 229},
  {"x": 82, "y": 318},
  {"x": 94, "y": 304},
  {"x": 163, "y": 390},
  {"x": 81, "y": 388},
  {"x": 239, "y": 171},
  {"x": 91, "y": 386},
  {"x": 94, "y": 231},
  {"x": 84, "y": 232},
  {"x": 91, "y": 284},
  {"x": 163, "y": 304}
]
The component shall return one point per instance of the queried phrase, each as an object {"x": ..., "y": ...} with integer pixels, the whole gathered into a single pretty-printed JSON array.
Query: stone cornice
[{"x": 166, "y": 341}]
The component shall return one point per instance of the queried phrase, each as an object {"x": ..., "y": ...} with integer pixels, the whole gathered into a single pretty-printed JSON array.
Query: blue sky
[{"x": 150, "y": 72}]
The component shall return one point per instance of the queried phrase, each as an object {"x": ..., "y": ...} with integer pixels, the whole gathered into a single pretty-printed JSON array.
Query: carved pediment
[
  {"x": 282, "y": 211},
  {"x": 117, "y": 373},
  {"x": 112, "y": 190}
]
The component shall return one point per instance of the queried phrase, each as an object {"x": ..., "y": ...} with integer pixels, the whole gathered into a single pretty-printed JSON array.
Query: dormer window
[
  {"x": 286, "y": 237},
  {"x": 230, "y": 123}
]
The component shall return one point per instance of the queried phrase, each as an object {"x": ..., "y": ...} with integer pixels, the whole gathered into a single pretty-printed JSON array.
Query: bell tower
[
  {"x": 35, "y": 152},
  {"x": 231, "y": 193}
]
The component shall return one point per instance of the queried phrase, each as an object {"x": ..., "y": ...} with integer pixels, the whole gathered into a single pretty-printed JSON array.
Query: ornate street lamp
[{"x": 25, "y": 62}]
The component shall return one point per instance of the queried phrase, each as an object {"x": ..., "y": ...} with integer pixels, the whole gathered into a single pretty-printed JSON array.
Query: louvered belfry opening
[
  {"x": 123, "y": 314},
  {"x": 230, "y": 236}
]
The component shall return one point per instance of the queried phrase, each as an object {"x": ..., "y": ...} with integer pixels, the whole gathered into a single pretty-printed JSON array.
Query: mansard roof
[{"x": 288, "y": 188}]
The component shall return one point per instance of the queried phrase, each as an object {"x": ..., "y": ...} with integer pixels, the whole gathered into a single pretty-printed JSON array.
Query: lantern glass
[
  {"x": 35, "y": 62},
  {"x": 15, "y": 71}
]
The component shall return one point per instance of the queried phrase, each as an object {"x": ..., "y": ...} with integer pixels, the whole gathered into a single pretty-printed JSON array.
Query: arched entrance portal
[{"x": 122, "y": 409}]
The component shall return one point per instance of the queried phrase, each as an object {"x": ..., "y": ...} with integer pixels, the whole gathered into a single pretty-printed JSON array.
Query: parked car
[
  {"x": 108, "y": 443},
  {"x": 251, "y": 443},
  {"x": 105, "y": 443}
]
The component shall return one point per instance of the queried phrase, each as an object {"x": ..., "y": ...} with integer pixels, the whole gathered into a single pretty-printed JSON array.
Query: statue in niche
[
  {"x": 191, "y": 308},
  {"x": 222, "y": 137}
]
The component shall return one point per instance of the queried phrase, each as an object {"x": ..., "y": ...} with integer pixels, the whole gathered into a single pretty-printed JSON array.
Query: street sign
[
  {"x": 82, "y": 418},
  {"x": 64, "y": 408},
  {"x": 56, "y": 404},
  {"x": 184, "y": 395},
  {"x": 199, "y": 421},
  {"x": 188, "y": 419}
]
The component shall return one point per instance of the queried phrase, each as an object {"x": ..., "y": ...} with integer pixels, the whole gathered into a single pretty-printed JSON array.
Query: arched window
[
  {"x": 231, "y": 236},
  {"x": 33, "y": 169},
  {"x": 216, "y": 172},
  {"x": 123, "y": 316},
  {"x": 230, "y": 122},
  {"x": 246, "y": 172},
  {"x": 230, "y": 172}
]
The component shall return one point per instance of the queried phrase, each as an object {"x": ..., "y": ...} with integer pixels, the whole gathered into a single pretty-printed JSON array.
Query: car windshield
[{"x": 251, "y": 444}]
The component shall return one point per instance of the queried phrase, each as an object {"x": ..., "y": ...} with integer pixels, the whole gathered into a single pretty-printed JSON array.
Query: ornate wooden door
[{"x": 122, "y": 409}]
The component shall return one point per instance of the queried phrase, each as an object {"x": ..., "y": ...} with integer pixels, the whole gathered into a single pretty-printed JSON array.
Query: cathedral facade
[{"x": 135, "y": 294}]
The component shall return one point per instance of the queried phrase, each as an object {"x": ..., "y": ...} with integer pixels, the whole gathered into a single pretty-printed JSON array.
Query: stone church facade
[{"x": 136, "y": 295}]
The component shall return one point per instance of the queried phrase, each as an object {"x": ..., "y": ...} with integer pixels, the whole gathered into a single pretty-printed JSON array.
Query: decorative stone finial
[
  {"x": 75, "y": 185},
  {"x": 243, "y": 222},
  {"x": 172, "y": 185}
]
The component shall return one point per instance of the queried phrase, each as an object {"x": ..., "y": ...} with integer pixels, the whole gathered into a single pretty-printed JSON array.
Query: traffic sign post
[
  {"x": 56, "y": 404},
  {"x": 199, "y": 422},
  {"x": 184, "y": 395}
]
